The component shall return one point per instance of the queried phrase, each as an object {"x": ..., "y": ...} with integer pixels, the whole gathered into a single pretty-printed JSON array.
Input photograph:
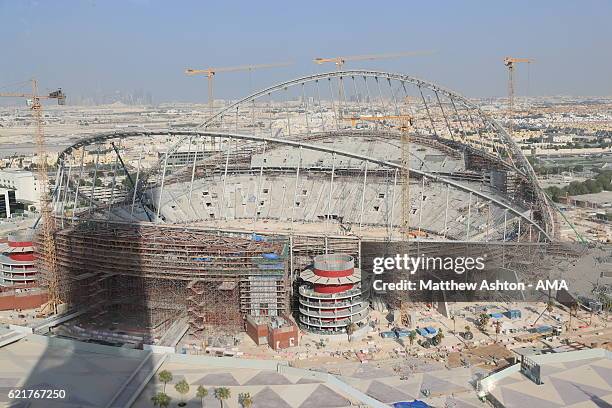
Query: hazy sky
[{"x": 104, "y": 46}]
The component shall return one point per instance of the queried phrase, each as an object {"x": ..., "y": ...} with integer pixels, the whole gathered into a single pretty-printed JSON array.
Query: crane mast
[
  {"x": 405, "y": 173},
  {"x": 47, "y": 259},
  {"x": 211, "y": 72},
  {"x": 509, "y": 62},
  {"x": 405, "y": 125}
]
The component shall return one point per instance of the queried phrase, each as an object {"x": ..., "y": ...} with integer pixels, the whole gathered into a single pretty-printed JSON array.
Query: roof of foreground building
[{"x": 572, "y": 379}]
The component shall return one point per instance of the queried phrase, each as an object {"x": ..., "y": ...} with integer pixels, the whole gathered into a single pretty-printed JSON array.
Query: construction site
[
  {"x": 255, "y": 234},
  {"x": 196, "y": 231}
]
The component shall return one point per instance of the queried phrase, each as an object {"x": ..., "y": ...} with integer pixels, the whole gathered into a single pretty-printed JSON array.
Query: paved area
[
  {"x": 582, "y": 383},
  {"x": 445, "y": 386},
  {"x": 90, "y": 374},
  {"x": 268, "y": 388}
]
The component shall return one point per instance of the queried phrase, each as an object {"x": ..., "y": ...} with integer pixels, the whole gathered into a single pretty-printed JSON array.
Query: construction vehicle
[
  {"x": 47, "y": 265},
  {"x": 509, "y": 62},
  {"x": 211, "y": 72}
]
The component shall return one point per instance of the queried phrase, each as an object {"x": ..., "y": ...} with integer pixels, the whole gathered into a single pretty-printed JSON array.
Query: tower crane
[
  {"x": 211, "y": 72},
  {"x": 405, "y": 125},
  {"x": 340, "y": 61},
  {"x": 509, "y": 62},
  {"x": 48, "y": 260}
]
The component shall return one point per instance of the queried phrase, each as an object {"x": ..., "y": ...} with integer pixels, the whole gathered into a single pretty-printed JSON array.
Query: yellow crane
[
  {"x": 340, "y": 61},
  {"x": 47, "y": 265},
  {"x": 405, "y": 125},
  {"x": 510, "y": 62},
  {"x": 211, "y": 72}
]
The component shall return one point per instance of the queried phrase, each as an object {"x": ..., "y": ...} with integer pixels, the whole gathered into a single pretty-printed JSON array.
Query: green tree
[
  {"x": 161, "y": 400},
  {"x": 165, "y": 376},
  {"x": 555, "y": 193},
  {"x": 437, "y": 339},
  {"x": 350, "y": 330},
  {"x": 182, "y": 387},
  {"x": 201, "y": 393},
  {"x": 484, "y": 321},
  {"x": 245, "y": 400},
  {"x": 222, "y": 393}
]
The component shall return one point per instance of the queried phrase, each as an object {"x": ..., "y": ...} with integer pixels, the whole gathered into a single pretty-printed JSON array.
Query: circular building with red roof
[{"x": 331, "y": 297}]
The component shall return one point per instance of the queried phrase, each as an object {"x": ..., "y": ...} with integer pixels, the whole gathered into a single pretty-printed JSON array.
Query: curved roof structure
[{"x": 344, "y": 125}]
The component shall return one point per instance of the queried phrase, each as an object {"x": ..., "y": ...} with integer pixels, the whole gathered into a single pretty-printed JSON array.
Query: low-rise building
[
  {"x": 277, "y": 332},
  {"x": 560, "y": 138},
  {"x": 595, "y": 200},
  {"x": 17, "y": 268},
  {"x": 24, "y": 183}
]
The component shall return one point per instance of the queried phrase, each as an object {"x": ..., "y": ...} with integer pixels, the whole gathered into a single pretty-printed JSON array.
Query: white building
[
  {"x": 560, "y": 138},
  {"x": 23, "y": 182},
  {"x": 7, "y": 202}
]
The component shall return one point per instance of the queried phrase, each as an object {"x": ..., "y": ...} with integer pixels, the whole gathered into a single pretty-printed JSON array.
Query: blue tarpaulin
[
  {"x": 388, "y": 335},
  {"x": 543, "y": 329},
  {"x": 496, "y": 315},
  {"x": 431, "y": 330},
  {"x": 270, "y": 256},
  {"x": 402, "y": 333},
  {"x": 513, "y": 314},
  {"x": 413, "y": 404}
]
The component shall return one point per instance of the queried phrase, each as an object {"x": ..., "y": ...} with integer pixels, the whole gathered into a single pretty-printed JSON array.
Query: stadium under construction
[{"x": 206, "y": 226}]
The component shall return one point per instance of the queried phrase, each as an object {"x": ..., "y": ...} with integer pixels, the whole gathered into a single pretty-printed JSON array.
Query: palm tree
[
  {"x": 245, "y": 400},
  {"x": 161, "y": 400},
  {"x": 350, "y": 329},
  {"x": 497, "y": 329},
  {"x": 165, "y": 376},
  {"x": 411, "y": 336},
  {"x": 549, "y": 306},
  {"x": 572, "y": 312},
  {"x": 222, "y": 393},
  {"x": 201, "y": 393},
  {"x": 182, "y": 387}
]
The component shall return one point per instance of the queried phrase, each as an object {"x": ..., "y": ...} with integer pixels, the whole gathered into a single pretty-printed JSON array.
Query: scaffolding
[{"x": 146, "y": 277}]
